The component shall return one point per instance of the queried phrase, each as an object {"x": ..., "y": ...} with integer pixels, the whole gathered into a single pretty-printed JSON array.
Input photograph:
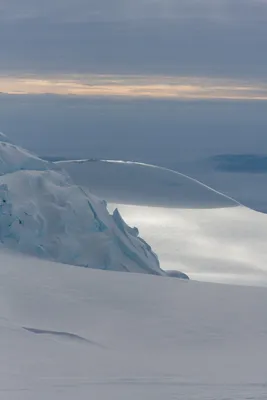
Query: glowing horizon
[{"x": 157, "y": 87}]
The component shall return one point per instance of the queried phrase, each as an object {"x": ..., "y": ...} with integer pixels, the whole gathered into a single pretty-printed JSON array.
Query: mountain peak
[{"x": 43, "y": 213}]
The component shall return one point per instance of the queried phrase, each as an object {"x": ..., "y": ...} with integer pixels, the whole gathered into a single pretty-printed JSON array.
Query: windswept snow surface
[
  {"x": 70, "y": 333},
  {"x": 43, "y": 213},
  {"x": 192, "y": 228},
  {"x": 14, "y": 158}
]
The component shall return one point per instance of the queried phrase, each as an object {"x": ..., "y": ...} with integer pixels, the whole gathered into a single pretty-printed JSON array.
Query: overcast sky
[
  {"x": 171, "y": 50},
  {"x": 222, "y": 38}
]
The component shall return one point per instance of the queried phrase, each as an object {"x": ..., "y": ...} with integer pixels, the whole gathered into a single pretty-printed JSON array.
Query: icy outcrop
[
  {"x": 43, "y": 213},
  {"x": 177, "y": 274}
]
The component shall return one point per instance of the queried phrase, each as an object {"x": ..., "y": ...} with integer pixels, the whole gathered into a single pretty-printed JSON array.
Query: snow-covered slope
[
  {"x": 14, "y": 158},
  {"x": 43, "y": 213},
  {"x": 191, "y": 227},
  {"x": 69, "y": 333}
]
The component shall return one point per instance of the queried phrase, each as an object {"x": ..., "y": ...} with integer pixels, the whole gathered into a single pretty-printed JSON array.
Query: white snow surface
[
  {"x": 77, "y": 333},
  {"x": 73, "y": 333},
  {"x": 14, "y": 158},
  {"x": 192, "y": 228},
  {"x": 43, "y": 213}
]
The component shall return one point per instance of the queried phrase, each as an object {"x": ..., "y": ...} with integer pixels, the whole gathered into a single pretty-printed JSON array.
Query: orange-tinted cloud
[{"x": 158, "y": 87}]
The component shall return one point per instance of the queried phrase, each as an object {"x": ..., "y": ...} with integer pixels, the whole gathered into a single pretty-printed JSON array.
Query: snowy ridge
[
  {"x": 149, "y": 184},
  {"x": 159, "y": 168},
  {"x": 14, "y": 158},
  {"x": 175, "y": 172},
  {"x": 43, "y": 213}
]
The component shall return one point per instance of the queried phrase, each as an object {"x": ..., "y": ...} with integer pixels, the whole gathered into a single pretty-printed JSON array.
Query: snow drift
[
  {"x": 43, "y": 213},
  {"x": 69, "y": 333}
]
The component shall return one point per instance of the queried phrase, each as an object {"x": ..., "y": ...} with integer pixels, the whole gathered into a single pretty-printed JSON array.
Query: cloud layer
[
  {"x": 119, "y": 10},
  {"x": 184, "y": 88},
  {"x": 200, "y": 38}
]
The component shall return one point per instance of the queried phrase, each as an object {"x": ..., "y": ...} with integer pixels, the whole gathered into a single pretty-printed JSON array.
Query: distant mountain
[
  {"x": 242, "y": 163},
  {"x": 121, "y": 181}
]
